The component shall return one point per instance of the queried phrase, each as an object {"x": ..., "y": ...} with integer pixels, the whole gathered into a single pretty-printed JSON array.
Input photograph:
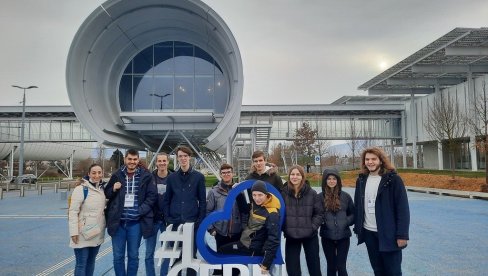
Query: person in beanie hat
[
  {"x": 262, "y": 234},
  {"x": 259, "y": 186},
  {"x": 338, "y": 217}
]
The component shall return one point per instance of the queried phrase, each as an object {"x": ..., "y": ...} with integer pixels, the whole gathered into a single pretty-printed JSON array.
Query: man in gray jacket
[{"x": 226, "y": 231}]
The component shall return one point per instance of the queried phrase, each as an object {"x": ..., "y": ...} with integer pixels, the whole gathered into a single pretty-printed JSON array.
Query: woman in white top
[{"x": 87, "y": 220}]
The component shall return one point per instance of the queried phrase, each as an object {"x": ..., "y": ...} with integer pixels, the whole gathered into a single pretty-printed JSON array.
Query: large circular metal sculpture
[{"x": 138, "y": 70}]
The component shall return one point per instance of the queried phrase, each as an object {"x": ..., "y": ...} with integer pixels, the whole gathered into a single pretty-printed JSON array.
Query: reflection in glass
[
  {"x": 191, "y": 77},
  {"x": 204, "y": 92},
  {"x": 183, "y": 93}
]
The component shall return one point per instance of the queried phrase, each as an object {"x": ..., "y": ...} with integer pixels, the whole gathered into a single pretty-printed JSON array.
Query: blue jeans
[
  {"x": 85, "y": 260},
  {"x": 151, "y": 247},
  {"x": 129, "y": 233}
]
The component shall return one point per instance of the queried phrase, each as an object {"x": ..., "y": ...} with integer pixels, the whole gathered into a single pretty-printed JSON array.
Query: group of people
[{"x": 136, "y": 204}]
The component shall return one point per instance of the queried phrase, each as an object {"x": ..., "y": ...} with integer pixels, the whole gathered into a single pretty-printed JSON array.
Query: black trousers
[
  {"x": 335, "y": 252},
  {"x": 293, "y": 248},
  {"x": 221, "y": 241},
  {"x": 237, "y": 248},
  {"x": 383, "y": 263}
]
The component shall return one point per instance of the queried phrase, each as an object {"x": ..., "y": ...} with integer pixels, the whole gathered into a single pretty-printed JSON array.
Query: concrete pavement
[{"x": 447, "y": 237}]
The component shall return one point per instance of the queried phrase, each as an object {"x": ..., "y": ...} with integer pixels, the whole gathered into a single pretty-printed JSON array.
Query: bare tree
[
  {"x": 304, "y": 141},
  {"x": 446, "y": 123},
  {"x": 276, "y": 156},
  {"x": 83, "y": 165},
  {"x": 288, "y": 151},
  {"x": 283, "y": 154},
  {"x": 117, "y": 159},
  {"x": 479, "y": 125},
  {"x": 355, "y": 145},
  {"x": 322, "y": 147}
]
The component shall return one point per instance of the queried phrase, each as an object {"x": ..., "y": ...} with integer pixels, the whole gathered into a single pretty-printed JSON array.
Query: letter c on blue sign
[{"x": 213, "y": 257}]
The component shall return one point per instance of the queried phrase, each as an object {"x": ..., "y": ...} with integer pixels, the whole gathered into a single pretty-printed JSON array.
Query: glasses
[{"x": 226, "y": 173}]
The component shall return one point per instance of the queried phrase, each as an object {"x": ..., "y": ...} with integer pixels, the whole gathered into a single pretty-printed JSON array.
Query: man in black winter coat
[
  {"x": 129, "y": 212},
  {"x": 382, "y": 216},
  {"x": 184, "y": 200}
]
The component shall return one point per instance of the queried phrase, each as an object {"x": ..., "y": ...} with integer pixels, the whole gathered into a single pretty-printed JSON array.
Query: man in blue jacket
[
  {"x": 184, "y": 200},
  {"x": 382, "y": 214},
  {"x": 129, "y": 213}
]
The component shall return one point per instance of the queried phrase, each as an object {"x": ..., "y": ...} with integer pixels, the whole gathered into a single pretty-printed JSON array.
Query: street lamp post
[
  {"x": 161, "y": 97},
  {"x": 21, "y": 154}
]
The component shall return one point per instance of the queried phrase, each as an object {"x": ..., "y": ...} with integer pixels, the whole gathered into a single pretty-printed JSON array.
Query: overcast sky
[{"x": 293, "y": 51}]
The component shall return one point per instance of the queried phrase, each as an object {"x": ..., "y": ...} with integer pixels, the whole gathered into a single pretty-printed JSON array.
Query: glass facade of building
[
  {"x": 44, "y": 130},
  {"x": 173, "y": 76},
  {"x": 332, "y": 128}
]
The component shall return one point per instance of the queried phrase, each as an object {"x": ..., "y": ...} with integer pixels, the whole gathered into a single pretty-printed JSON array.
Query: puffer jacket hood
[
  {"x": 272, "y": 204},
  {"x": 263, "y": 230},
  {"x": 326, "y": 174}
]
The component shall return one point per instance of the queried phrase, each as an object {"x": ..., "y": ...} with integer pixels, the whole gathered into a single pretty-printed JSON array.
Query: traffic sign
[{"x": 317, "y": 160}]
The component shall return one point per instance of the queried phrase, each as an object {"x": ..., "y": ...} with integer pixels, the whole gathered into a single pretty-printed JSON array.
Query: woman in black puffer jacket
[
  {"x": 339, "y": 215},
  {"x": 303, "y": 218}
]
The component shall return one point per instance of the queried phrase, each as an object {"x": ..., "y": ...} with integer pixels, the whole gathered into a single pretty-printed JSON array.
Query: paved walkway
[{"x": 448, "y": 236}]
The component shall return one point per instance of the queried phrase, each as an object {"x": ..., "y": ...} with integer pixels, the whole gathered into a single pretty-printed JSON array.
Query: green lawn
[{"x": 468, "y": 174}]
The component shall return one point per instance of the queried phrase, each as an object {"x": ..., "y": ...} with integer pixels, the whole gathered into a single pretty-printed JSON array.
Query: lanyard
[{"x": 133, "y": 182}]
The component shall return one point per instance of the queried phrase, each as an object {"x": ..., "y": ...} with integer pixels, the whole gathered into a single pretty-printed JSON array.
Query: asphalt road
[{"x": 448, "y": 236}]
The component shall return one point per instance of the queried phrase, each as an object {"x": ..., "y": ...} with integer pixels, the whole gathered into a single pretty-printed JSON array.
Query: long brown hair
[
  {"x": 385, "y": 164},
  {"x": 332, "y": 199},
  {"x": 302, "y": 172}
]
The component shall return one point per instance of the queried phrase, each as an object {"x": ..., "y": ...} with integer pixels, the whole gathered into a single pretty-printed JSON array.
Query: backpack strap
[{"x": 85, "y": 192}]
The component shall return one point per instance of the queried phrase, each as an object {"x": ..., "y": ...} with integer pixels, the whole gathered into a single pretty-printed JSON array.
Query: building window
[{"x": 173, "y": 76}]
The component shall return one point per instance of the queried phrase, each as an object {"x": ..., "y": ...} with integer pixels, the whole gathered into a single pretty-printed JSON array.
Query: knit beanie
[{"x": 259, "y": 186}]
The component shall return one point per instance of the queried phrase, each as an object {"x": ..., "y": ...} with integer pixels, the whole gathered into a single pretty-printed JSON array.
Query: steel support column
[
  {"x": 472, "y": 114},
  {"x": 71, "y": 161},
  {"x": 228, "y": 153},
  {"x": 159, "y": 148},
  {"x": 404, "y": 140},
  {"x": 216, "y": 173},
  {"x": 472, "y": 151},
  {"x": 414, "y": 126},
  {"x": 440, "y": 156}
]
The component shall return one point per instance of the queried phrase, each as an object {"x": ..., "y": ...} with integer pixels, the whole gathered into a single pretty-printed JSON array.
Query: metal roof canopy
[
  {"x": 447, "y": 61},
  {"x": 323, "y": 109},
  {"x": 33, "y": 112}
]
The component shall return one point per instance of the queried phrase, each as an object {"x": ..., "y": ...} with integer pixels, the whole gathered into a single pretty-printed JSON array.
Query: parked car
[{"x": 25, "y": 178}]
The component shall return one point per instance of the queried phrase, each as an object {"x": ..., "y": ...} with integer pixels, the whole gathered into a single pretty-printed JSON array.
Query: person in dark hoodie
[
  {"x": 338, "y": 217},
  {"x": 261, "y": 236},
  {"x": 382, "y": 217},
  {"x": 129, "y": 212},
  {"x": 303, "y": 218},
  {"x": 184, "y": 200},
  {"x": 160, "y": 176}
]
